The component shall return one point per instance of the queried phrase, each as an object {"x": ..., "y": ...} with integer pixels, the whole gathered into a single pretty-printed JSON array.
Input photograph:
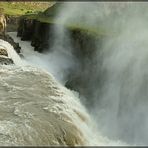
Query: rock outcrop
[
  {"x": 84, "y": 44},
  {"x": 4, "y": 59},
  {"x": 2, "y": 24},
  {"x": 10, "y": 20},
  {"x": 39, "y": 33},
  {"x": 4, "y": 19},
  {"x": 25, "y": 29},
  {"x": 3, "y": 52},
  {"x": 11, "y": 41}
]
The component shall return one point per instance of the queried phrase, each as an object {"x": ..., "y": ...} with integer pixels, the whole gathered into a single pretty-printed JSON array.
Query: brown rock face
[
  {"x": 2, "y": 23},
  {"x": 3, "y": 52},
  {"x": 5, "y": 60},
  {"x": 11, "y": 41}
]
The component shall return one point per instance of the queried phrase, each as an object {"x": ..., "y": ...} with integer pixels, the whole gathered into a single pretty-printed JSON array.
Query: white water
[
  {"x": 71, "y": 102},
  {"x": 120, "y": 103},
  {"x": 12, "y": 53},
  {"x": 36, "y": 110},
  {"x": 121, "y": 110},
  {"x": 55, "y": 62}
]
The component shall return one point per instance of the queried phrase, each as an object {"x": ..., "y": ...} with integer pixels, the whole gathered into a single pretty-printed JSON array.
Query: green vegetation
[
  {"x": 48, "y": 16},
  {"x": 99, "y": 31},
  {"x": 42, "y": 12},
  {"x": 22, "y": 8},
  {"x": 73, "y": 26}
]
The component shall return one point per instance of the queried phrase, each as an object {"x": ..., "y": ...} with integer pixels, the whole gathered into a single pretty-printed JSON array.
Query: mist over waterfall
[
  {"x": 120, "y": 102},
  {"x": 116, "y": 77},
  {"x": 50, "y": 113},
  {"x": 36, "y": 109},
  {"x": 11, "y": 53}
]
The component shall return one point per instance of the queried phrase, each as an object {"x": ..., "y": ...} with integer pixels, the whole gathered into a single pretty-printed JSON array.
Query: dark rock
[
  {"x": 26, "y": 29},
  {"x": 3, "y": 52},
  {"x": 21, "y": 55},
  {"x": 20, "y": 27},
  {"x": 39, "y": 33},
  {"x": 11, "y": 41},
  {"x": 5, "y": 60},
  {"x": 43, "y": 36},
  {"x": 84, "y": 45}
]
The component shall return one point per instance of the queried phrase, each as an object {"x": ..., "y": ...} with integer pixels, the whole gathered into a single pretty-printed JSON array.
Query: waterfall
[
  {"x": 37, "y": 110},
  {"x": 119, "y": 111},
  {"x": 71, "y": 106},
  {"x": 120, "y": 103},
  {"x": 11, "y": 52},
  {"x": 123, "y": 103}
]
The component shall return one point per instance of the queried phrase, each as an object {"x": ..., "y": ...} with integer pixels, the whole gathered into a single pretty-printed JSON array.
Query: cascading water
[
  {"x": 72, "y": 111},
  {"x": 120, "y": 104},
  {"x": 37, "y": 110},
  {"x": 11, "y": 53}
]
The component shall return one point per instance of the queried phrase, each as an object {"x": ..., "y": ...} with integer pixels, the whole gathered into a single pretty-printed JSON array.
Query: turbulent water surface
[
  {"x": 51, "y": 106},
  {"x": 37, "y": 109}
]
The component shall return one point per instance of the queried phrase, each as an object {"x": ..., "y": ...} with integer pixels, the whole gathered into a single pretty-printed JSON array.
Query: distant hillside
[{"x": 21, "y": 8}]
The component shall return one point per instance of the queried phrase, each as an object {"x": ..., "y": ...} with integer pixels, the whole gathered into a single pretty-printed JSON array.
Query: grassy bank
[
  {"x": 71, "y": 26},
  {"x": 34, "y": 10},
  {"x": 22, "y": 8},
  {"x": 49, "y": 15}
]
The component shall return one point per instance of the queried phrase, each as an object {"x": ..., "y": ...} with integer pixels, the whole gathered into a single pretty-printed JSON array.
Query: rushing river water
[
  {"x": 35, "y": 102},
  {"x": 35, "y": 109}
]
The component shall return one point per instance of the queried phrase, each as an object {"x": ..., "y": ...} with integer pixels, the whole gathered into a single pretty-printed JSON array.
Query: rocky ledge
[
  {"x": 11, "y": 41},
  {"x": 84, "y": 43},
  {"x": 4, "y": 59}
]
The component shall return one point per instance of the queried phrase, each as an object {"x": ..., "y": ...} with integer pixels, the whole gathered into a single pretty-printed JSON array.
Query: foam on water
[
  {"x": 36, "y": 110},
  {"x": 71, "y": 105},
  {"x": 54, "y": 62},
  {"x": 11, "y": 53}
]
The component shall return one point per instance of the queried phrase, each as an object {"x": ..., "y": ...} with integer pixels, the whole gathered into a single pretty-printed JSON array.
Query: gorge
[{"x": 101, "y": 57}]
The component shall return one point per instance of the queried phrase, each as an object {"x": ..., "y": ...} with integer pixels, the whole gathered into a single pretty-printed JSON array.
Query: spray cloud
[
  {"x": 118, "y": 82},
  {"x": 120, "y": 102}
]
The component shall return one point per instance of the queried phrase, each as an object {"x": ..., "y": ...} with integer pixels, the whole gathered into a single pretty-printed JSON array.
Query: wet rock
[
  {"x": 39, "y": 33},
  {"x": 21, "y": 55},
  {"x": 84, "y": 43},
  {"x": 3, "y": 52},
  {"x": 11, "y": 41},
  {"x": 2, "y": 23},
  {"x": 5, "y": 60},
  {"x": 25, "y": 29}
]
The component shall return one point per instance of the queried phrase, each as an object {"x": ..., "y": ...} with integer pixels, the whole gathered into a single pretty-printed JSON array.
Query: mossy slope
[{"x": 21, "y": 8}]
